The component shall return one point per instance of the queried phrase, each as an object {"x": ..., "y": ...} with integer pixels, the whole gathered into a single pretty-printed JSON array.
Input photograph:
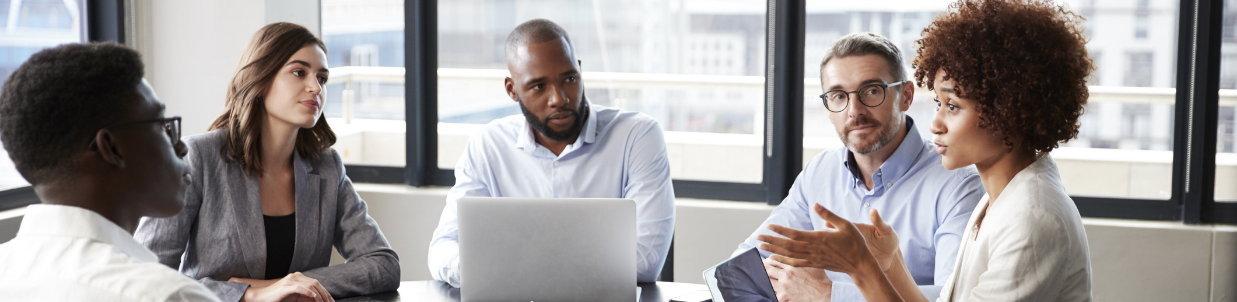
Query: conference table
[{"x": 437, "y": 291}]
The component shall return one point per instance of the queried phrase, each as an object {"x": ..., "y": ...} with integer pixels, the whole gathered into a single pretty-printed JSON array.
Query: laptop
[
  {"x": 547, "y": 249},
  {"x": 741, "y": 278}
]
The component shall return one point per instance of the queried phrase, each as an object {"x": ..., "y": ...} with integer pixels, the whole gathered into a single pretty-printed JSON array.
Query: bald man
[{"x": 561, "y": 147}]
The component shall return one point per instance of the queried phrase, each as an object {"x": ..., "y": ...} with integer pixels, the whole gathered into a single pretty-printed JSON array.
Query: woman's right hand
[
  {"x": 882, "y": 241},
  {"x": 293, "y": 287},
  {"x": 842, "y": 249}
]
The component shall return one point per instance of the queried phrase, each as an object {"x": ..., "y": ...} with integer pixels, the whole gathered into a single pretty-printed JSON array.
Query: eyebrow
[
  {"x": 535, "y": 81},
  {"x": 307, "y": 65},
  {"x": 946, "y": 89},
  {"x": 861, "y": 84}
]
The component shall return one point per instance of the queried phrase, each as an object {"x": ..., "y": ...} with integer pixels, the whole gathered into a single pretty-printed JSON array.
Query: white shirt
[
  {"x": 619, "y": 154},
  {"x": 1031, "y": 245},
  {"x": 65, "y": 253}
]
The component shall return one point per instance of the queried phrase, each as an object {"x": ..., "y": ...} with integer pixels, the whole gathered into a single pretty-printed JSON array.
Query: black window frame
[
  {"x": 1194, "y": 140},
  {"x": 1197, "y": 74}
]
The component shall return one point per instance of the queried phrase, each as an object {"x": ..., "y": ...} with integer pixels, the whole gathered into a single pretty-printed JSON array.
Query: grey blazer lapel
[
  {"x": 308, "y": 203},
  {"x": 250, "y": 227}
]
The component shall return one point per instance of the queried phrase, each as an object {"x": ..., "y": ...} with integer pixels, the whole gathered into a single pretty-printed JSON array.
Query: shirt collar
[
  {"x": 898, "y": 163},
  {"x": 527, "y": 143},
  {"x": 47, "y": 220}
]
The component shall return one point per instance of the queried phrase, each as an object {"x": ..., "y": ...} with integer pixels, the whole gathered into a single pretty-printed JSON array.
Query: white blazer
[{"x": 1031, "y": 245}]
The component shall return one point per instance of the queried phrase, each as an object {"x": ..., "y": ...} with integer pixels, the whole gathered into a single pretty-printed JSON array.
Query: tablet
[{"x": 742, "y": 278}]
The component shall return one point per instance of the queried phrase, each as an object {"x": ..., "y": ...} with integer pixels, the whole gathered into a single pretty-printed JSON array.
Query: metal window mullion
[
  {"x": 783, "y": 156},
  {"x": 420, "y": 98},
  {"x": 1194, "y": 141}
]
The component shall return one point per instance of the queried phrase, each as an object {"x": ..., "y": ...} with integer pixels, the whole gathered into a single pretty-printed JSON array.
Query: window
[
  {"x": 30, "y": 26},
  {"x": 365, "y": 94},
  {"x": 1124, "y": 148},
  {"x": 696, "y": 66},
  {"x": 1139, "y": 69},
  {"x": 1142, "y": 19},
  {"x": 1226, "y": 121}
]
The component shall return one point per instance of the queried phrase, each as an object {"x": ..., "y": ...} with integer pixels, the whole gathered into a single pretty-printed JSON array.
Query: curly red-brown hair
[{"x": 1023, "y": 62}]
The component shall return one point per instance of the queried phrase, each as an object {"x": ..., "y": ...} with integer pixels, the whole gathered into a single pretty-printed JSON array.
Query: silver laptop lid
[{"x": 547, "y": 249}]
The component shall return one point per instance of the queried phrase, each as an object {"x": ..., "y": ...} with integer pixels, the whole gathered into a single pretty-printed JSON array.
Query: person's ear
[
  {"x": 908, "y": 95},
  {"x": 509, "y": 84},
  {"x": 105, "y": 144}
]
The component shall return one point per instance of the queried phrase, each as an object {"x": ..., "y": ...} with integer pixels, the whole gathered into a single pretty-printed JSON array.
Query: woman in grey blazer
[{"x": 269, "y": 196}]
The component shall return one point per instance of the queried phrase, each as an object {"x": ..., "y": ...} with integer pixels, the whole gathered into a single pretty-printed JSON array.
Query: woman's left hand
[{"x": 842, "y": 249}]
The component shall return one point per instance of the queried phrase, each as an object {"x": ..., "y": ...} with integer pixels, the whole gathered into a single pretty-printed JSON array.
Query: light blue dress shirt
[
  {"x": 619, "y": 154},
  {"x": 927, "y": 205}
]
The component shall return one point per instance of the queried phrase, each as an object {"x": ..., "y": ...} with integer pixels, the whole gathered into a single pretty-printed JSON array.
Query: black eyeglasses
[
  {"x": 870, "y": 95},
  {"x": 171, "y": 127}
]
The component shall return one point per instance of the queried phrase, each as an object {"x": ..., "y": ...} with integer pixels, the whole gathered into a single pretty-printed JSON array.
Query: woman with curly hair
[{"x": 1010, "y": 84}]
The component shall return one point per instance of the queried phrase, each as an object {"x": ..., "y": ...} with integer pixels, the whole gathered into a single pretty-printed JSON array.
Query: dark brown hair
[
  {"x": 1023, "y": 62},
  {"x": 264, "y": 56}
]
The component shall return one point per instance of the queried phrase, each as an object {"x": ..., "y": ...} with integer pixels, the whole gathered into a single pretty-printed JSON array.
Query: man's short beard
[
  {"x": 544, "y": 128},
  {"x": 885, "y": 135}
]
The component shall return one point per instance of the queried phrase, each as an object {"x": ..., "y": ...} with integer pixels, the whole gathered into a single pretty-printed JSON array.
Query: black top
[{"x": 280, "y": 240}]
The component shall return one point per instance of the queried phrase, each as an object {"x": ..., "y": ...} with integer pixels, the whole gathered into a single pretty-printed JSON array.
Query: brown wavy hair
[
  {"x": 1024, "y": 62},
  {"x": 264, "y": 56}
]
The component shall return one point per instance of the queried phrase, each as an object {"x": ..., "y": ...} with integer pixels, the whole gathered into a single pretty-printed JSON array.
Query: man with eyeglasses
[
  {"x": 84, "y": 128},
  {"x": 885, "y": 167}
]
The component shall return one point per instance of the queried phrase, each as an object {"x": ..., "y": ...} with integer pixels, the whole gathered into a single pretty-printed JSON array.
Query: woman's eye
[
  {"x": 298, "y": 72},
  {"x": 938, "y": 103},
  {"x": 322, "y": 80}
]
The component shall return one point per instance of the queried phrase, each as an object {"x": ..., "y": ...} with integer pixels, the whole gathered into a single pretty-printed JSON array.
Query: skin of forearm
[
  {"x": 873, "y": 283},
  {"x": 901, "y": 278}
]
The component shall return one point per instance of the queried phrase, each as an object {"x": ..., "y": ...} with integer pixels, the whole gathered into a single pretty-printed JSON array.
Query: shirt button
[
  {"x": 889, "y": 184},
  {"x": 878, "y": 173},
  {"x": 556, "y": 164},
  {"x": 865, "y": 204}
]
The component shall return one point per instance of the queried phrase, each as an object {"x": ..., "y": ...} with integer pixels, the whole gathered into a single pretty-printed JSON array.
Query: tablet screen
[{"x": 740, "y": 279}]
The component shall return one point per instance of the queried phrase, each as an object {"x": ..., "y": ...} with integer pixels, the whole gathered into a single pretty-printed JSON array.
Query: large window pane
[
  {"x": 1125, "y": 145},
  {"x": 697, "y": 66},
  {"x": 30, "y": 26},
  {"x": 1226, "y": 143},
  {"x": 365, "y": 95}
]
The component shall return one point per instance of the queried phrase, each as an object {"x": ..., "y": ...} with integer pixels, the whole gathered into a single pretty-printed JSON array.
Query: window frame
[{"x": 1200, "y": 25}]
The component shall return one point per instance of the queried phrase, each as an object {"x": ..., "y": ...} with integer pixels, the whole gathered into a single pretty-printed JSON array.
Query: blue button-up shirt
[
  {"x": 927, "y": 205},
  {"x": 619, "y": 154}
]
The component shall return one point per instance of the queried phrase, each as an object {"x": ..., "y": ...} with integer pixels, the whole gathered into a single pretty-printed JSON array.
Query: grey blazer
[{"x": 220, "y": 233}]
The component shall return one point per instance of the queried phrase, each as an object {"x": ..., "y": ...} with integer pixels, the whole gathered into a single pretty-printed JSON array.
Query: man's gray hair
[
  {"x": 866, "y": 43},
  {"x": 535, "y": 31}
]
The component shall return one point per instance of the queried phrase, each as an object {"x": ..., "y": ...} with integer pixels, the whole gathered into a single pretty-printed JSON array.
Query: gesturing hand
[
  {"x": 841, "y": 250},
  {"x": 882, "y": 240}
]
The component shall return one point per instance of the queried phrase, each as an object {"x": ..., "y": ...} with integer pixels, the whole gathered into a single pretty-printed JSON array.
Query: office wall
[{"x": 1131, "y": 260}]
